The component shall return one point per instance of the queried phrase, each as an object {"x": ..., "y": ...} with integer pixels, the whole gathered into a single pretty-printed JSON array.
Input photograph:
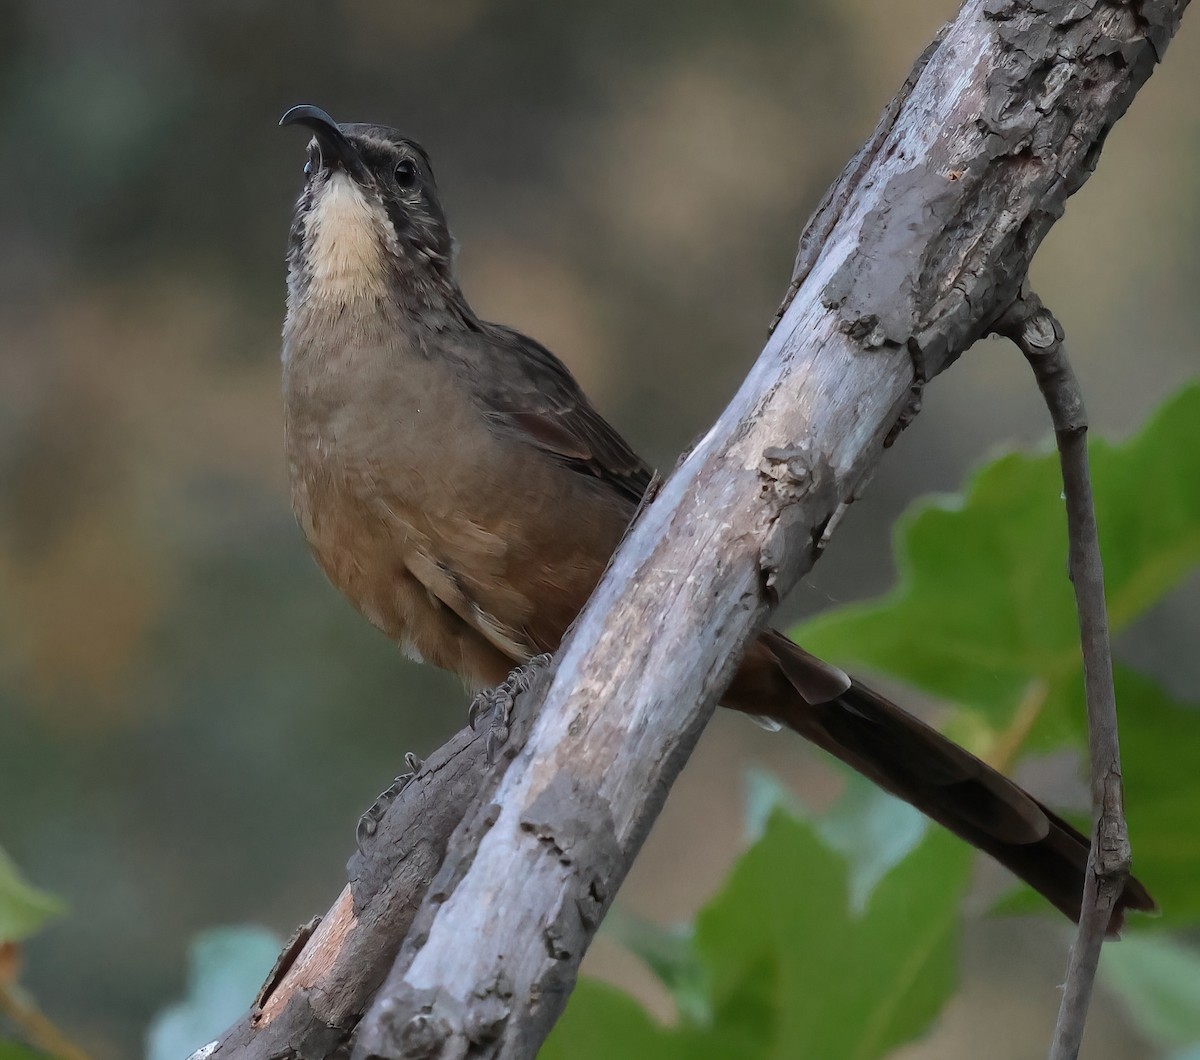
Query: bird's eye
[{"x": 406, "y": 174}]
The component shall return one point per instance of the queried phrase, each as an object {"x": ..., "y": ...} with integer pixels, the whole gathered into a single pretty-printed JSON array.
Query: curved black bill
[{"x": 336, "y": 149}]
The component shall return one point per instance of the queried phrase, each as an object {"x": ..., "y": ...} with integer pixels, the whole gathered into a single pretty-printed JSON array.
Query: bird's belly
[
  {"x": 459, "y": 544},
  {"x": 359, "y": 553},
  {"x": 394, "y": 521}
]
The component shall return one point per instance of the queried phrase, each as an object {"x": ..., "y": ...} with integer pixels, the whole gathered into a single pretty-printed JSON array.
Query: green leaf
[
  {"x": 764, "y": 794},
  {"x": 835, "y": 984},
  {"x": 226, "y": 968},
  {"x": 601, "y": 1022},
  {"x": 10, "y": 1050},
  {"x": 1159, "y": 980},
  {"x": 983, "y": 607},
  {"x": 873, "y": 831},
  {"x": 786, "y": 968},
  {"x": 23, "y": 909},
  {"x": 667, "y": 952}
]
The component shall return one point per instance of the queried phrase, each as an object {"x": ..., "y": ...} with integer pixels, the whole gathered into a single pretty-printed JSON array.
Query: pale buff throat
[{"x": 347, "y": 235}]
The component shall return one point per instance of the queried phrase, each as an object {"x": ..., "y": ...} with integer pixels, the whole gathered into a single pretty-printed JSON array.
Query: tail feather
[{"x": 918, "y": 764}]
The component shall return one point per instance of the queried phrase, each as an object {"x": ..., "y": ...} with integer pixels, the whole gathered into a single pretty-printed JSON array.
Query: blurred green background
[{"x": 191, "y": 719}]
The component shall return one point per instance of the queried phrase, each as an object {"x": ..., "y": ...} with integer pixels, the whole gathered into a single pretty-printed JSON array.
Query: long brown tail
[{"x": 918, "y": 764}]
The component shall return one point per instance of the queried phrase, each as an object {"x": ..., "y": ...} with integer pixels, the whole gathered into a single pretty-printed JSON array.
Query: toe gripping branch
[
  {"x": 497, "y": 703},
  {"x": 369, "y": 821}
]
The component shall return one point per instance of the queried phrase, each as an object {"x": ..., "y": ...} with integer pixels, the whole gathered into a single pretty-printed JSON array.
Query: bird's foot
[
  {"x": 498, "y": 702},
  {"x": 369, "y": 821}
]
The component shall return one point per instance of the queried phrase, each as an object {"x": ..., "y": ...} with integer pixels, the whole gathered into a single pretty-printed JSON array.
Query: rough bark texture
[
  {"x": 920, "y": 245},
  {"x": 310, "y": 1006}
]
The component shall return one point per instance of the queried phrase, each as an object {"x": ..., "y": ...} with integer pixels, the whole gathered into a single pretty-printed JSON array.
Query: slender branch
[
  {"x": 39, "y": 1030},
  {"x": 1040, "y": 337}
]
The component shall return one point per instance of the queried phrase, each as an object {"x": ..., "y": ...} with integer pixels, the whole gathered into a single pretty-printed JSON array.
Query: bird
[{"x": 456, "y": 484}]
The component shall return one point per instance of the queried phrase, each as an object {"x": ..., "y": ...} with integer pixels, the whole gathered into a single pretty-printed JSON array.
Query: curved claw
[
  {"x": 498, "y": 702},
  {"x": 481, "y": 704},
  {"x": 368, "y": 823}
]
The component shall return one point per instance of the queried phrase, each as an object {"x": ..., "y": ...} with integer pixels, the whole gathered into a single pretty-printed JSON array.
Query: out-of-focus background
[{"x": 191, "y": 719}]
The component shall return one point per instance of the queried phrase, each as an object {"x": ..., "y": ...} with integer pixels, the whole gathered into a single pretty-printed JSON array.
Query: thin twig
[
  {"x": 39, "y": 1030},
  {"x": 1040, "y": 337}
]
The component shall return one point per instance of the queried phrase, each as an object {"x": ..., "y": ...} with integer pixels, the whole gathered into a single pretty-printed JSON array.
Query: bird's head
[{"x": 368, "y": 223}]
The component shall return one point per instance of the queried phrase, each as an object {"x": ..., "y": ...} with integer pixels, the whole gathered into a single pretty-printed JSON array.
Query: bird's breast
[{"x": 392, "y": 467}]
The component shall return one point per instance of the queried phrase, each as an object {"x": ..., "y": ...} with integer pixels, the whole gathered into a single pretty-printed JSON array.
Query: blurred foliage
[
  {"x": 226, "y": 969},
  {"x": 871, "y": 831},
  {"x": 191, "y": 721},
  {"x": 23, "y": 909},
  {"x": 839, "y": 938},
  {"x": 1160, "y": 982},
  {"x": 1007, "y": 651},
  {"x": 1014, "y": 633}
]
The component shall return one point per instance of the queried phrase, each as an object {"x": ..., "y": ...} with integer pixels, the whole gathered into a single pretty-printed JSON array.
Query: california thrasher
[{"x": 456, "y": 484}]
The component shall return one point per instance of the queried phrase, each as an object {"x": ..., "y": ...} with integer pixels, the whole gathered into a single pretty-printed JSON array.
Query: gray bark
[{"x": 919, "y": 246}]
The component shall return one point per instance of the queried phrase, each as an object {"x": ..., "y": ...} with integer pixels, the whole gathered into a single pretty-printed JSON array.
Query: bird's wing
[
  {"x": 536, "y": 397},
  {"x": 449, "y": 587}
]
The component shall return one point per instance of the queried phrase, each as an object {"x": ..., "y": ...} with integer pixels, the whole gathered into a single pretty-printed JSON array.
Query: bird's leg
[
  {"x": 498, "y": 702},
  {"x": 369, "y": 821}
]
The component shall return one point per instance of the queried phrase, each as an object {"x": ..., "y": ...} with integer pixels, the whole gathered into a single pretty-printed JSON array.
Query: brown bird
[{"x": 455, "y": 483}]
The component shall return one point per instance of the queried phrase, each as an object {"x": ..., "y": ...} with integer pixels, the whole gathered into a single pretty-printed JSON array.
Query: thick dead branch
[
  {"x": 314, "y": 1000},
  {"x": 1039, "y": 336},
  {"x": 915, "y": 252}
]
